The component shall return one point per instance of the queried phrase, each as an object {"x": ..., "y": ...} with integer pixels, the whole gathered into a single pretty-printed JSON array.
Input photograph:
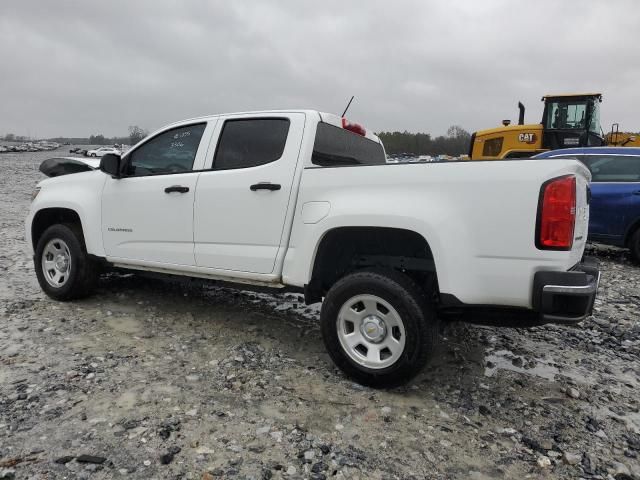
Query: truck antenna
[{"x": 348, "y": 105}]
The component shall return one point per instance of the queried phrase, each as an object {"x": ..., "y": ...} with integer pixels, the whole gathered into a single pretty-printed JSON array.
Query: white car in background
[{"x": 98, "y": 152}]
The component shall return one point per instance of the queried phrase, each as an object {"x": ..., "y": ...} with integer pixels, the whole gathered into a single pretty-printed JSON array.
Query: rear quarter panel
[{"x": 479, "y": 219}]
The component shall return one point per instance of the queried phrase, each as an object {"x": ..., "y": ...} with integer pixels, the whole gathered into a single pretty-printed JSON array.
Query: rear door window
[
  {"x": 335, "y": 147},
  {"x": 250, "y": 142},
  {"x": 613, "y": 168}
]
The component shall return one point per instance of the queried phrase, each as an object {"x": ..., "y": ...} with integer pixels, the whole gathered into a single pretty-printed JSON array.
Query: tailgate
[{"x": 583, "y": 195}]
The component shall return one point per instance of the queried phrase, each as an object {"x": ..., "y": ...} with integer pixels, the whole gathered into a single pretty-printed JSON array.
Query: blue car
[{"x": 614, "y": 217}]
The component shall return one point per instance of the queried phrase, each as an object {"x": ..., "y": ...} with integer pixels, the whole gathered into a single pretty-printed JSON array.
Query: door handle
[
  {"x": 176, "y": 188},
  {"x": 265, "y": 186},
  {"x": 637, "y": 192}
]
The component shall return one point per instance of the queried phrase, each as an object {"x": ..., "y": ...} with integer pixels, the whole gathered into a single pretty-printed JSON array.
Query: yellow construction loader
[
  {"x": 615, "y": 138},
  {"x": 567, "y": 121}
]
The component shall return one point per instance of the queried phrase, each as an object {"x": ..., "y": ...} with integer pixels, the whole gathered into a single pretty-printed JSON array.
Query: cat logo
[{"x": 527, "y": 138}]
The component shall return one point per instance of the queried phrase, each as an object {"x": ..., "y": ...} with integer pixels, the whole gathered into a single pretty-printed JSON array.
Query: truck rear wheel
[
  {"x": 64, "y": 269},
  {"x": 378, "y": 327}
]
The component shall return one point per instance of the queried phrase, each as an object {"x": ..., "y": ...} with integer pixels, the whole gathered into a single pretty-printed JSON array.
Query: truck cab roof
[{"x": 324, "y": 117}]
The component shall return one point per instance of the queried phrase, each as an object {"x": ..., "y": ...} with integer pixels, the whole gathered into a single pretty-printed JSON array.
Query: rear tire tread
[{"x": 418, "y": 315}]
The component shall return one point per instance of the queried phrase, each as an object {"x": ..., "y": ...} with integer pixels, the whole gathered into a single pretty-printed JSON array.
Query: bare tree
[
  {"x": 456, "y": 131},
  {"x": 136, "y": 134}
]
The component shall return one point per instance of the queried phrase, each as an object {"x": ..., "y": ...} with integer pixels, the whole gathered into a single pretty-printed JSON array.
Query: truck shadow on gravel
[
  {"x": 275, "y": 317},
  {"x": 467, "y": 357}
]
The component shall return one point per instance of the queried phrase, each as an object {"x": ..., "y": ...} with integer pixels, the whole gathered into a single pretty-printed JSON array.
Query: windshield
[{"x": 566, "y": 115}]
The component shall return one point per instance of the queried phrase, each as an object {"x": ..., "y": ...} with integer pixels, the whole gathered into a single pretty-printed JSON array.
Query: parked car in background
[
  {"x": 98, "y": 152},
  {"x": 615, "y": 193}
]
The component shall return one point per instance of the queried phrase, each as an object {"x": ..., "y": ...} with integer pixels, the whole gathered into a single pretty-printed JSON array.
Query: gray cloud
[{"x": 83, "y": 67}]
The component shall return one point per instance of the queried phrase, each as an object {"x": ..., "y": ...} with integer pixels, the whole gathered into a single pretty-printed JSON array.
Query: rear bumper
[{"x": 566, "y": 297}]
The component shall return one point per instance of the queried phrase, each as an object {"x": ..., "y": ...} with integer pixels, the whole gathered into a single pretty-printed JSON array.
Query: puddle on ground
[
  {"x": 124, "y": 324},
  {"x": 503, "y": 360},
  {"x": 126, "y": 400},
  {"x": 629, "y": 418},
  {"x": 540, "y": 367}
]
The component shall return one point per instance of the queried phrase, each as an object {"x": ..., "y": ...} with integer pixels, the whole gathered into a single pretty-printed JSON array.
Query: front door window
[{"x": 170, "y": 152}]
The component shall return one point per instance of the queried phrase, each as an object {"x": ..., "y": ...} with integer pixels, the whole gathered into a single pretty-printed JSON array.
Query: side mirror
[{"x": 110, "y": 164}]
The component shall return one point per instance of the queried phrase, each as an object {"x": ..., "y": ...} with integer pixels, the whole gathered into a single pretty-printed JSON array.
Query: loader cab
[
  {"x": 567, "y": 121},
  {"x": 571, "y": 121}
]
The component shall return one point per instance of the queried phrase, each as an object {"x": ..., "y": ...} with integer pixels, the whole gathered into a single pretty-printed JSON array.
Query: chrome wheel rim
[
  {"x": 56, "y": 263},
  {"x": 371, "y": 331}
]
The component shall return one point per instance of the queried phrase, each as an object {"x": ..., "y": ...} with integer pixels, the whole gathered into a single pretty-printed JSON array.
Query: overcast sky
[{"x": 75, "y": 68}]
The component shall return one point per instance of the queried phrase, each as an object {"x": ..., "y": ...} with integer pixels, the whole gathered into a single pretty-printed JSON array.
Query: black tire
[
  {"x": 634, "y": 246},
  {"x": 416, "y": 313},
  {"x": 82, "y": 274}
]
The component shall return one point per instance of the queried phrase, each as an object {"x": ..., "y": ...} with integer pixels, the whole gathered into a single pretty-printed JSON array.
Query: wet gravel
[{"x": 154, "y": 378}]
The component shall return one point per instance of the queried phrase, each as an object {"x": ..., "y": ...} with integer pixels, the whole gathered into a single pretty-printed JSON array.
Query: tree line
[
  {"x": 136, "y": 134},
  {"x": 455, "y": 142}
]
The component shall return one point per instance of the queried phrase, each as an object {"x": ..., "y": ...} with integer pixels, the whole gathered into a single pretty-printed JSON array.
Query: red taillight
[
  {"x": 353, "y": 127},
  {"x": 557, "y": 214}
]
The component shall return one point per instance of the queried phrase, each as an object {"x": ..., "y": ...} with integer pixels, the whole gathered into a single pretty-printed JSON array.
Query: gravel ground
[{"x": 155, "y": 378}]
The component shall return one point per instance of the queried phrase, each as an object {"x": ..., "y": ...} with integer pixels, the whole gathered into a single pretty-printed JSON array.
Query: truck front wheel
[
  {"x": 378, "y": 327},
  {"x": 64, "y": 269}
]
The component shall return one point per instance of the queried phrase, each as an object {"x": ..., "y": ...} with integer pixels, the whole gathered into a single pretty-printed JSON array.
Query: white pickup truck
[{"x": 305, "y": 201}]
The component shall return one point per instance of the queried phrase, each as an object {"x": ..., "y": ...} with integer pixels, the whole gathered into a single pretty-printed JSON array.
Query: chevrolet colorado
[{"x": 305, "y": 201}]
